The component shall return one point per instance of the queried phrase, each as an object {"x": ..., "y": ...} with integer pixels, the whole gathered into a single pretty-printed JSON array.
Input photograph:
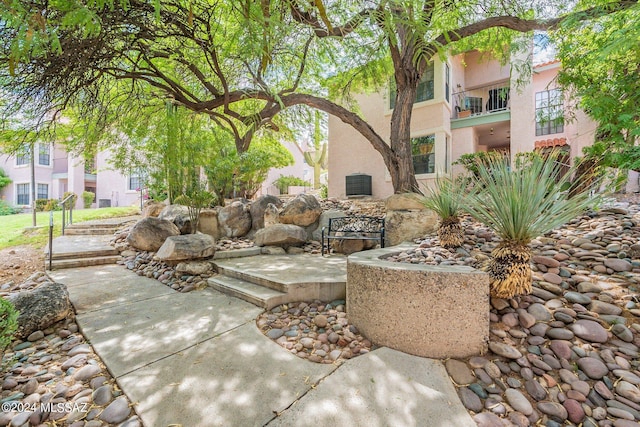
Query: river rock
[{"x": 589, "y": 330}]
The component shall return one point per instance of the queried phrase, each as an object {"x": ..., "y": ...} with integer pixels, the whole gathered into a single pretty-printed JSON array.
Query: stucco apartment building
[
  {"x": 57, "y": 171},
  {"x": 465, "y": 104}
]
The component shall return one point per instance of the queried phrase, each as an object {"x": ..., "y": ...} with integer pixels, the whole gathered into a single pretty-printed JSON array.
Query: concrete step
[
  {"x": 253, "y": 278},
  {"x": 255, "y": 294},
  {"x": 58, "y": 264},
  {"x": 82, "y": 231},
  {"x": 95, "y": 253},
  {"x": 97, "y": 224}
]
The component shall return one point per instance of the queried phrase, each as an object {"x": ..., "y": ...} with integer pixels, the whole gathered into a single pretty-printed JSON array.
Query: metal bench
[{"x": 362, "y": 227}]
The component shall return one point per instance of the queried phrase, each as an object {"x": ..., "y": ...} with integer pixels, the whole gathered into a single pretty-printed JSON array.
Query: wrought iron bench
[{"x": 362, "y": 227}]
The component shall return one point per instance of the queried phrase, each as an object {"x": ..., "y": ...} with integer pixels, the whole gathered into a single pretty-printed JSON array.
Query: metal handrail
[{"x": 63, "y": 203}]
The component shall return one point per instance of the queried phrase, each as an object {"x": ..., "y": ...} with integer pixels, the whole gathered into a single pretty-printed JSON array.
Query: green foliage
[
  {"x": 283, "y": 183},
  {"x": 526, "y": 201},
  {"x": 4, "y": 179},
  {"x": 600, "y": 68},
  {"x": 445, "y": 197},
  {"x": 87, "y": 198},
  {"x": 473, "y": 161},
  {"x": 46, "y": 205},
  {"x": 71, "y": 203},
  {"x": 324, "y": 191},
  {"x": 8, "y": 324},
  {"x": 196, "y": 199},
  {"x": 5, "y": 209}
]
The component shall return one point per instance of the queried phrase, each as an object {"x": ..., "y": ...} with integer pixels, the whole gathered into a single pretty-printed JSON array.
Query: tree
[
  {"x": 4, "y": 179},
  {"x": 243, "y": 63},
  {"x": 601, "y": 65},
  {"x": 318, "y": 157}
]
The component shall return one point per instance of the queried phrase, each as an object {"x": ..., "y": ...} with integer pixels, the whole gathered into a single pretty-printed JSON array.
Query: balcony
[{"x": 481, "y": 101}]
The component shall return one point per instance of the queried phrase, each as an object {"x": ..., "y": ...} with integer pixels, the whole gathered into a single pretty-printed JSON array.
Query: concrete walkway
[{"x": 198, "y": 359}]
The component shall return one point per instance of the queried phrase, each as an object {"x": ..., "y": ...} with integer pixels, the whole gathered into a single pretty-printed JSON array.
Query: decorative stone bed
[{"x": 424, "y": 310}]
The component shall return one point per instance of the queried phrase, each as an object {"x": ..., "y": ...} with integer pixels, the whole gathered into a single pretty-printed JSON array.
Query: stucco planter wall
[{"x": 428, "y": 311}]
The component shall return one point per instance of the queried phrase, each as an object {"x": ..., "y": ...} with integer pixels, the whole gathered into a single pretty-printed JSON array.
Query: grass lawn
[{"x": 14, "y": 232}]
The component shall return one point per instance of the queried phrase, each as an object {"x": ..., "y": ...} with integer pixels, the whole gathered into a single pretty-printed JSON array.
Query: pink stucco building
[
  {"x": 57, "y": 171},
  {"x": 465, "y": 104}
]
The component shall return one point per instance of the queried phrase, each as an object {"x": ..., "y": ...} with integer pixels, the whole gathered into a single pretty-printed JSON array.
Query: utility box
[
  {"x": 358, "y": 184},
  {"x": 104, "y": 203}
]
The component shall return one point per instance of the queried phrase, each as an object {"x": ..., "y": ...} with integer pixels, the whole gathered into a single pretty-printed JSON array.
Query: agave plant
[
  {"x": 521, "y": 204},
  {"x": 445, "y": 199}
]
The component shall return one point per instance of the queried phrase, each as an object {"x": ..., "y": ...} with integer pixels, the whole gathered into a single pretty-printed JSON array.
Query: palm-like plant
[
  {"x": 445, "y": 199},
  {"x": 521, "y": 204}
]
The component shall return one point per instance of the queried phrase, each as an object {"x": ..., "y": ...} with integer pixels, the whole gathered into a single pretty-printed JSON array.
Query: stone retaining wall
[{"x": 428, "y": 311}]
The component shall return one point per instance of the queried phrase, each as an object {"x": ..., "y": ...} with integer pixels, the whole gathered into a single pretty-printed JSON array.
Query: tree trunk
[{"x": 402, "y": 171}]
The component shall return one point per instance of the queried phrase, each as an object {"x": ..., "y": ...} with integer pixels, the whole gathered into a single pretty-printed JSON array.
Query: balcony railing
[{"x": 481, "y": 100}]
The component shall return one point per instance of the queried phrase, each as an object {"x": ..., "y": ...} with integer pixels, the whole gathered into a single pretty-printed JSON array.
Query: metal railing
[
  {"x": 481, "y": 100},
  {"x": 64, "y": 212}
]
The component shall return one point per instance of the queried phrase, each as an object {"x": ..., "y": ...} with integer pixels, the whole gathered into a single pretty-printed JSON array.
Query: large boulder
[
  {"x": 170, "y": 212},
  {"x": 404, "y": 226},
  {"x": 194, "y": 267},
  {"x": 324, "y": 222},
  {"x": 303, "y": 210},
  {"x": 404, "y": 202},
  {"x": 183, "y": 222},
  {"x": 283, "y": 235},
  {"x": 150, "y": 233},
  {"x": 41, "y": 307},
  {"x": 271, "y": 215},
  {"x": 258, "y": 208},
  {"x": 235, "y": 220},
  {"x": 153, "y": 209},
  {"x": 208, "y": 223},
  {"x": 350, "y": 246},
  {"x": 186, "y": 247}
]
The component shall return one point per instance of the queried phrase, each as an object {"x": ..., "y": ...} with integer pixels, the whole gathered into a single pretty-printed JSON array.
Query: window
[
  {"x": 43, "y": 191},
  {"x": 44, "y": 155},
  {"x": 424, "y": 91},
  {"x": 23, "y": 156},
  {"x": 22, "y": 192},
  {"x": 447, "y": 82},
  {"x": 135, "y": 183},
  {"x": 549, "y": 112},
  {"x": 423, "y": 153}
]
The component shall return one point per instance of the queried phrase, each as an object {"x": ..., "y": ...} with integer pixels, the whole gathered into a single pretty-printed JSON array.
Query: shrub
[
  {"x": 324, "y": 191},
  {"x": 46, "y": 205},
  {"x": 8, "y": 324},
  {"x": 445, "y": 199},
  {"x": 284, "y": 182},
  {"x": 4, "y": 179},
  {"x": 87, "y": 198},
  {"x": 5, "y": 209},
  {"x": 72, "y": 201}
]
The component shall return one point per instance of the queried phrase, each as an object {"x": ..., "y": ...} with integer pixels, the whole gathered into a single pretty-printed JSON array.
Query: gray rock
[
  {"x": 554, "y": 410},
  {"x": 589, "y": 330},
  {"x": 561, "y": 348},
  {"x": 194, "y": 267},
  {"x": 41, "y": 307},
  {"x": 535, "y": 390},
  {"x": 258, "y": 208},
  {"x": 186, "y": 247},
  {"x": 150, "y": 233},
  {"x": 283, "y": 235},
  {"x": 459, "y": 372},
  {"x": 622, "y": 332},
  {"x": 593, "y": 367},
  {"x": 504, "y": 350},
  {"x": 540, "y": 312},
  {"x": 272, "y": 250},
  {"x": 470, "y": 400},
  {"x": 518, "y": 401},
  {"x": 487, "y": 419},
  {"x": 274, "y": 334},
  {"x": 303, "y": 210},
  {"x": 618, "y": 265},
  {"x": 102, "y": 395},
  {"x": 560, "y": 334},
  {"x": 271, "y": 215},
  {"x": 628, "y": 390},
  {"x": 604, "y": 308},
  {"x": 577, "y": 297},
  {"x": 116, "y": 412},
  {"x": 86, "y": 372},
  {"x": 234, "y": 220},
  {"x": 170, "y": 212}
]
